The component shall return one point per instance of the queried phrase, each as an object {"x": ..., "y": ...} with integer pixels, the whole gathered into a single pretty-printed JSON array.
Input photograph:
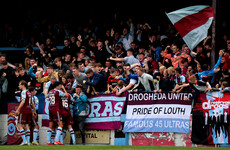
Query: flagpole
[{"x": 213, "y": 53}]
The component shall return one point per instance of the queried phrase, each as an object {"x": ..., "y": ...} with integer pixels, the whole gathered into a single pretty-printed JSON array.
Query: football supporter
[{"x": 79, "y": 110}]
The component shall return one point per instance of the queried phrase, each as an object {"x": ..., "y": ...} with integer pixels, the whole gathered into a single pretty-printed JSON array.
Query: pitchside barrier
[{"x": 158, "y": 119}]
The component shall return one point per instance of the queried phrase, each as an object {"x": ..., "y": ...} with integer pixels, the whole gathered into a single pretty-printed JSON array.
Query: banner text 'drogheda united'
[{"x": 158, "y": 96}]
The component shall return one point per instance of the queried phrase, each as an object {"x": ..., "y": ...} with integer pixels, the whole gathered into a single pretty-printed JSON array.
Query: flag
[{"x": 192, "y": 23}]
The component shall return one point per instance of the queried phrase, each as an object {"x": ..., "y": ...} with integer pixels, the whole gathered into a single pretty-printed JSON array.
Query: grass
[{"x": 101, "y": 147}]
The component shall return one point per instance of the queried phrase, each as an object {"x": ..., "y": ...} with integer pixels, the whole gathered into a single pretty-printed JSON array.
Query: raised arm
[
  {"x": 165, "y": 53},
  {"x": 66, "y": 94},
  {"x": 117, "y": 59},
  {"x": 125, "y": 89},
  {"x": 221, "y": 53},
  {"x": 41, "y": 50}
]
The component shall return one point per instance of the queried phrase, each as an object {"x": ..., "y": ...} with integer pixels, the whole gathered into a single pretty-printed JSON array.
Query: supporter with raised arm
[
  {"x": 128, "y": 35},
  {"x": 50, "y": 72},
  {"x": 128, "y": 59},
  {"x": 96, "y": 80},
  {"x": 176, "y": 56},
  {"x": 145, "y": 79},
  {"x": 212, "y": 71}
]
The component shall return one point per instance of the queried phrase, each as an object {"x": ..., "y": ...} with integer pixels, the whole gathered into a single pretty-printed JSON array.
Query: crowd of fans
[{"x": 129, "y": 57}]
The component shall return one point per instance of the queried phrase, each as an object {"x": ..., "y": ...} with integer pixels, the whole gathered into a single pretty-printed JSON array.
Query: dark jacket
[
  {"x": 166, "y": 85},
  {"x": 11, "y": 78},
  {"x": 101, "y": 56},
  {"x": 98, "y": 81}
]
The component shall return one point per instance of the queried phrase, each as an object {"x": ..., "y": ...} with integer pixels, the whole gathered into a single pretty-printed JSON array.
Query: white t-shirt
[
  {"x": 131, "y": 60},
  {"x": 133, "y": 81}
]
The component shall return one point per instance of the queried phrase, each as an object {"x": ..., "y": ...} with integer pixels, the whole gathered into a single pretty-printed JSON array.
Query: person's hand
[
  {"x": 117, "y": 77},
  {"x": 74, "y": 59},
  {"x": 193, "y": 53},
  {"x": 176, "y": 57},
  {"x": 83, "y": 81},
  {"x": 37, "y": 44},
  {"x": 106, "y": 69},
  {"x": 118, "y": 94},
  {"x": 35, "y": 65},
  {"x": 186, "y": 98},
  {"x": 110, "y": 58},
  {"x": 17, "y": 92},
  {"x": 216, "y": 70},
  {"x": 167, "y": 47},
  {"x": 115, "y": 89},
  {"x": 106, "y": 42},
  {"x": 107, "y": 92},
  {"x": 75, "y": 95},
  {"x": 221, "y": 53},
  {"x": 4, "y": 74},
  {"x": 166, "y": 60},
  {"x": 173, "y": 90}
]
